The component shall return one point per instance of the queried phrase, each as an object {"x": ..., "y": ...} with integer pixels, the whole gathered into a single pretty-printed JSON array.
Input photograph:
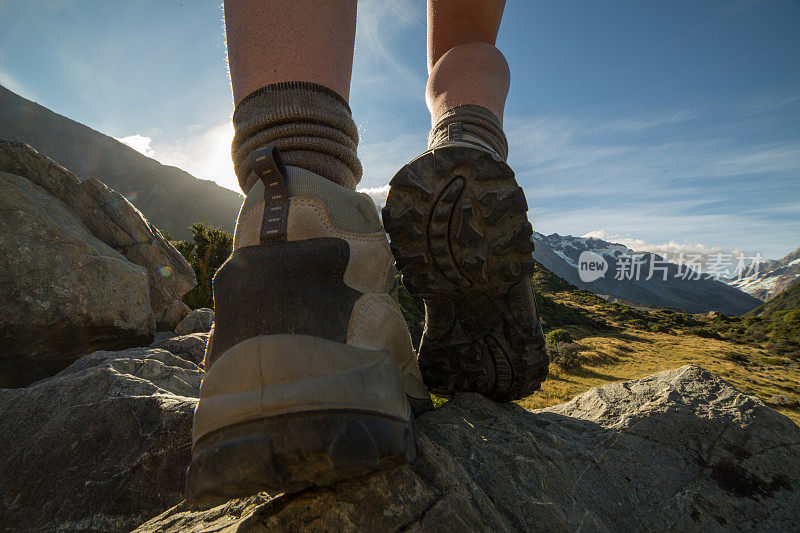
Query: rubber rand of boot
[
  {"x": 292, "y": 452},
  {"x": 458, "y": 226}
]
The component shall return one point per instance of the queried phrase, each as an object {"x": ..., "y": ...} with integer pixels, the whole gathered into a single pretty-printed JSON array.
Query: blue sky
[{"x": 663, "y": 125}]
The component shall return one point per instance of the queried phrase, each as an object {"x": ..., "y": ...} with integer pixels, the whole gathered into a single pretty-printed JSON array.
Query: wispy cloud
[
  {"x": 377, "y": 61},
  {"x": 381, "y": 160},
  {"x": 12, "y": 83},
  {"x": 689, "y": 185},
  {"x": 669, "y": 249},
  {"x": 140, "y": 143}
]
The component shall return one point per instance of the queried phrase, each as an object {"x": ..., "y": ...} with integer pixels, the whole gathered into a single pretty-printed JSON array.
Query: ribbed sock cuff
[
  {"x": 310, "y": 124},
  {"x": 477, "y": 121}
]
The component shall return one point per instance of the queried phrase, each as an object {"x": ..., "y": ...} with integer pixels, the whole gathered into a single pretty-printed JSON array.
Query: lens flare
[{"x": 164, "y": 271}]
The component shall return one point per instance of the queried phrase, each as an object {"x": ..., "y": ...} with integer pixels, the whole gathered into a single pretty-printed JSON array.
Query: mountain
[
  {"x": 772, "y": 279},
  {"x": 169, "y": 197},
  {"x": 560, "y": 255},
  {"x": 788, "y": 300}
]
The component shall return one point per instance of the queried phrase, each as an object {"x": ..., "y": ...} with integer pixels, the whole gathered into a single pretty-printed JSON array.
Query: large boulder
[
  {"x": 171, "y": 316},
  {"x": 101, "y": 446},
  {"x": 680, "y": 450},
  {"x": 110, "y": 217},
  {"x": 191, "y": 347},
  {"x": 64, "y": 292},
  {"x": 198, "y": 321}
]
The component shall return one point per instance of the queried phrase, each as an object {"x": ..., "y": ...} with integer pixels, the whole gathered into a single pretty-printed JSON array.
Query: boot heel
[{"x": 291, "y": 452}]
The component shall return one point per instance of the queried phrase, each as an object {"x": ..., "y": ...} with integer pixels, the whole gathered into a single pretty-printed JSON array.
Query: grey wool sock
[
  {"x": 310, "y": 124},
  {"x": 477, "y": 122}
]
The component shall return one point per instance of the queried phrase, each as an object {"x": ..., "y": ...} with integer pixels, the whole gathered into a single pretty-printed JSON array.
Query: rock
[
  {"x": 161, "y": 336},
  {"x": 680, "y": 450},
  {"x": 168, "y": 318},
  {"x": 64, "y": 292},
  {"x": 191, "y": 347},
  {"x": 101, "y": 446},
  {"x": 110, "y": 217},
  {"x": 198, "y": 321}
]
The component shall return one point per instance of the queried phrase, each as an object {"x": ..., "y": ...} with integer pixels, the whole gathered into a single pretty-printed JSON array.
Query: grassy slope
[{"x": 623, "y": 343}]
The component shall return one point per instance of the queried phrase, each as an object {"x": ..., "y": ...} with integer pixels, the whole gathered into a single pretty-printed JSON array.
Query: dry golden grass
[{"x": 632, "y": 354}]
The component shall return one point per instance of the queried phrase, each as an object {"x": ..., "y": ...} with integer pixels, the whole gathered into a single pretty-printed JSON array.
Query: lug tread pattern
[{"x": 468, "y": 253}]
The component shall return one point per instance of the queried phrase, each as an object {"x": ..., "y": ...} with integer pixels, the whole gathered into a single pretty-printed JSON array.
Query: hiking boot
[
  {"x": 461, "y": 238},
  {"x": 310, "y": 373}
]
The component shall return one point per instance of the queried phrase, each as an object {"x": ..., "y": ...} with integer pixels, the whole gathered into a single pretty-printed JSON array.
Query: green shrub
[
  {"x": 438, "y": 401},
  {"x": 705, "y": 333},
  {"x": 564, "y": 355},
  {"x": 558, "y": 335},
  {"x": 735, "y": 357},
  {"x": 209, "y": 248},
  {"x": 659, "y": 328}
]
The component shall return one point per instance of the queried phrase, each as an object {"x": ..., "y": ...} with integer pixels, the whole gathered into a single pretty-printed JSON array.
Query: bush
[
  {"x": 735, "y": 357},
  {"x": 210, "y": 248},
  {"x": 558, "y": 335},
  {"x": 564, "y": 354},
  {"x": 659, "y": 328},
  {"x": 706, "y": 333}
]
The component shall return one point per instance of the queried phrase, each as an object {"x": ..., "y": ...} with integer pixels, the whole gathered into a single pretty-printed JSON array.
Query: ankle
[
  {"x": 311, "y": 126},
  {"x": 472, "y": 123}
]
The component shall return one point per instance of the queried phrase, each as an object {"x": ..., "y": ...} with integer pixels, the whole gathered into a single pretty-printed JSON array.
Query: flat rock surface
[{"x": 679, "y": 450}]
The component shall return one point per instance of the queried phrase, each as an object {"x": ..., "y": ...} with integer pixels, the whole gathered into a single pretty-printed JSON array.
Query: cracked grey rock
[
  {"x": 680, "y": 450},
  {"x": 101, "y": 446},
  {"x": 65, "y": 293},
  {"x": 171, "y": 316},
  {"x": 198, "y": 321},
  {"x": 110, "y": 218},
  {"x": 191, "y": 347}
]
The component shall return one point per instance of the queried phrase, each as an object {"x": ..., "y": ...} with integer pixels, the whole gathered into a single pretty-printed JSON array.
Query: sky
[{"x": 666, "y": 126}]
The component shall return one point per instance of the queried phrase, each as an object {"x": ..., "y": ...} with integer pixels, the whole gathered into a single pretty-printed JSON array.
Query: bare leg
[
  {"x": 290, "y": 63},
  {"x": 290, "y": 40},
  {"x": 463, "y": 64}
]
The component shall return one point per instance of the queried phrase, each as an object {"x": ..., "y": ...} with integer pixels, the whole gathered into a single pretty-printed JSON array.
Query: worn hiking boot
[
  {"x": 310, "y": 372},
  {"x": 460, "y": 235}
]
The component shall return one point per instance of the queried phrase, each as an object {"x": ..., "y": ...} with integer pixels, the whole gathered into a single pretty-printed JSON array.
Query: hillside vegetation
[{"x": 757, "y": 353}]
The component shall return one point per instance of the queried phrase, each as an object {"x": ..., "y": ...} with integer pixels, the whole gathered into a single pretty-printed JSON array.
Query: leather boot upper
[{"x": 332, "y": 277}]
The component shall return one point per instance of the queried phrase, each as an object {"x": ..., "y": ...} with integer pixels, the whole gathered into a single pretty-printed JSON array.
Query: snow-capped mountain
[
  {"x": 627, "y": 272},
  {"x": 773, "y": 277}
]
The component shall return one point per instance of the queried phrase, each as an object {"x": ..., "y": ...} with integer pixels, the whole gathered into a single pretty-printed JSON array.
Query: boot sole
[
  {"x": 292, "y": 452},
  {"x": 460, "y": 235}
]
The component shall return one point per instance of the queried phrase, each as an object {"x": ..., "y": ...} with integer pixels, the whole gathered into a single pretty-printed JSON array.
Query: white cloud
[
  {"x": 378, "y": 194},
  {"x": 140, "y": 143},
  {"x": 206, "y": 155},
  {"x": 671, "y": 248}
]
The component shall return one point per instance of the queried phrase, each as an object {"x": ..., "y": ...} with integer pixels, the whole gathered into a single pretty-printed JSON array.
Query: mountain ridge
[
  {"x": 171, "y": 198},
  {"x": 773, "y": 277},
  {"x": 560, "y": 254}
]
